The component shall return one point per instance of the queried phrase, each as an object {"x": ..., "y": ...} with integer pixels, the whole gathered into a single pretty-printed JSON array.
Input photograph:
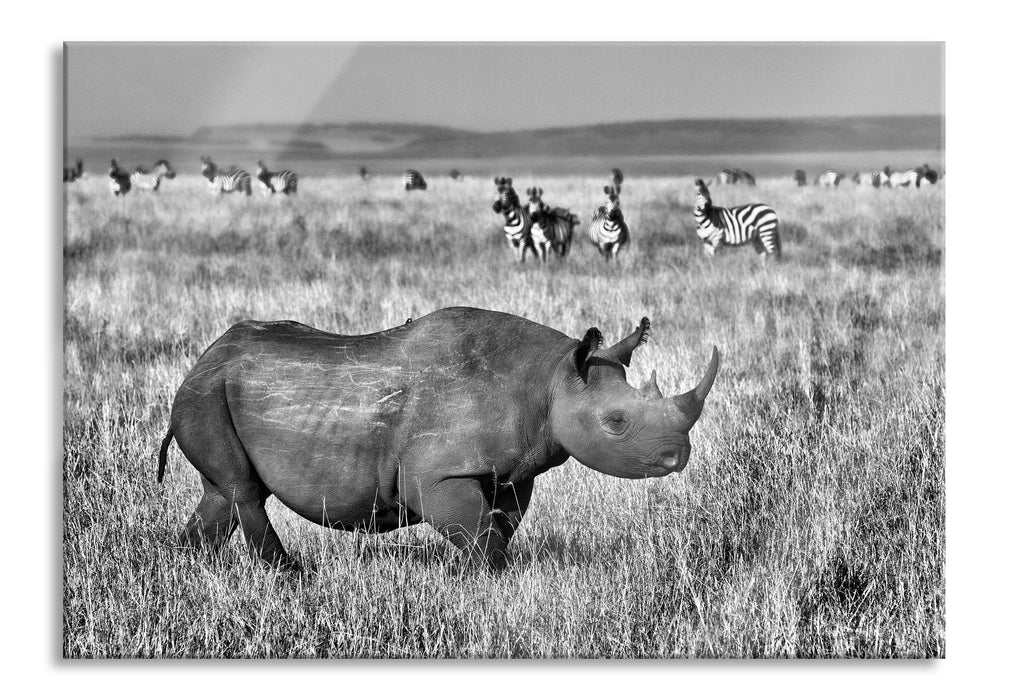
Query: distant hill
[
  {"x": 642, "y": 138},
  {"x": 694, "y": 137}
]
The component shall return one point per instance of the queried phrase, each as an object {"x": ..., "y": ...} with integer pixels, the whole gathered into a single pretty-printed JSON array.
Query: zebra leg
[{"x": 616, "y": 253}]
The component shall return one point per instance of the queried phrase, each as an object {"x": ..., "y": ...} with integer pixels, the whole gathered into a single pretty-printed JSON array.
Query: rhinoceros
[{"x": 447, "y": 419}]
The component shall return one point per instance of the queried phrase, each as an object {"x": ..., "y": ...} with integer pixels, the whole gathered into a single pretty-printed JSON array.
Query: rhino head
[{"x": 608, "y": 425}]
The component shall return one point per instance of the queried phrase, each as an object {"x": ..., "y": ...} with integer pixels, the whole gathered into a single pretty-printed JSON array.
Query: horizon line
[{"x": 430, "y": 125}]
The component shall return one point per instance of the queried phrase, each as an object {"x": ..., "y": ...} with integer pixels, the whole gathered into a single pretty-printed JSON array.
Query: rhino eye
[{"x": 615, "y": 422}]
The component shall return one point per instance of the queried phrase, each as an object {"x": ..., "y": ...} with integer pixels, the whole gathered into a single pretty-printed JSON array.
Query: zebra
[
  {"x": 119, "y": 179},
  {"x": 829, "y": 178},
  {"x": 363, "y": 173},
  {"x": 234, "y": 179},
  {"x": 74, "y": 173},
  {"x": 734, "y": 226},
  {"x": 731, "y": 176},
  {"x": 617, "y": 177},
  {"x": 517, "y": 223},
  {"x": 928, "y": 176},
  {"x": 906, "y": 178},
  {"x": 799, "y": 177},
  {"x": 455, "y": 174},
  {"x": 728, "y": 176},
  {"x": 413, "y": 180},
  {"x": 872, "y": 178},
  {"x": 608, "y": 230},
  {"x": 150, "y": 180},
  {"x": 550, "y": 228},
  {"x": 271, "y": 182}
]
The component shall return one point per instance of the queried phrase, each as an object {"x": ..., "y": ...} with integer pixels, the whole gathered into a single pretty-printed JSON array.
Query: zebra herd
[
  {"x": 223, "y": 180},
  {"x": 922, "y": 175},
  {"x": 536, "y": 227},
  {"x": 544, "y": 230}
]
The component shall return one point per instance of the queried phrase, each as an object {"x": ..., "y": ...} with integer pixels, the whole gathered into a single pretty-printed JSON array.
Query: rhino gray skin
[{"x": 447, "y": 420}]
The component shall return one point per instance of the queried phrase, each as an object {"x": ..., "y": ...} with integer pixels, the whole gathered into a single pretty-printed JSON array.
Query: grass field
[{"x": 810, "y": 521}]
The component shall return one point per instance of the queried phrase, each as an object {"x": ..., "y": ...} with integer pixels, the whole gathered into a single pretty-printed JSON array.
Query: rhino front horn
[{"x": 691, "y": 403}]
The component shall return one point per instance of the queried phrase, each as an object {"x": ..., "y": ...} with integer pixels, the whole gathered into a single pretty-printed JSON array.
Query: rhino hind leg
[
  {"x": 260, "y": 537},
  {"x": 211, "y": 524}
]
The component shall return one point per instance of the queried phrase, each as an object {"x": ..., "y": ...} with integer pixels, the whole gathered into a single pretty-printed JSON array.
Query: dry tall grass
[{"x": 810, "y": 521}]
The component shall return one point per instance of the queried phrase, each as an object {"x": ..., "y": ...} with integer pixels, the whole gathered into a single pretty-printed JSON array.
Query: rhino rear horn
[
  {"x": 650, "y": 389},
  {"x": 623, "y": 349},
  {"x": 691, "y": 403}
]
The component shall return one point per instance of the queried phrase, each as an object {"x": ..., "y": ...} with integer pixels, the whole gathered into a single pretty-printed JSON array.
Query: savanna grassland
[{"x": 809, "y": 522}]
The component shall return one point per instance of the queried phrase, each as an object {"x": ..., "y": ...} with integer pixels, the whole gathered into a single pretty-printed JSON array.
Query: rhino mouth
[{"x": 673, "y": 461}]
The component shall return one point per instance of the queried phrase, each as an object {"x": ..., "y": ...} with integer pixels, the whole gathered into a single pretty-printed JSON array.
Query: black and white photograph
[{"x": 503, "y": 350}]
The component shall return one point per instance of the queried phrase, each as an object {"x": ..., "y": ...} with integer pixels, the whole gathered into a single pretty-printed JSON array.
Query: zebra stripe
[
  {"x": 271, "y": 182},
  {"x": 799, "y": 178},
  {"x": 150, "y": 180},
  {"x": 550, "y": 229},
  {"x": 829, "y": 178},
  {"x": 413, "y": 180},
  {"x": 119, "y": 179},
  {"x": 234, "y": 179},
  {"x": 735, "y": 226},
  {"x": 517, "y": 223},
  {"x": 608, "y": 230}
]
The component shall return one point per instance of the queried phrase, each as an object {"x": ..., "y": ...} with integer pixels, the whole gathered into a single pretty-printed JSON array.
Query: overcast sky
[{"x": 177, "y": 88}]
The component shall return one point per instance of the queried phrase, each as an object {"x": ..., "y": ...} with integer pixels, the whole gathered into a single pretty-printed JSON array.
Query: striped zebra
[
  {"x": 551, "y": 229},
  {"x": 73, "y": 174},
  {"x": 799, "y": 178},
  {"x": 735, "y": 226},
  {"x": 517, "y": 223},
  {"x": 455, "y": 174},
  {"x": 732, "y": 176},
  {"x": 928, "y": 176},
  {"x": 871, "y": 178},
  {"x": 616, "y": 177},
  {"x": 608, "y": 230},
  {"x": 150, "y": 180},
  {"x": 273, "y": 181},
  {"x": 234, "y": 179},
  {"x": 363, "y": 173},
  {"x": 905, "y": 178},
  {"x": 829, "y": 178},
  {"x": 119, "y": 179},
  {"x": 413, "y": 180}
]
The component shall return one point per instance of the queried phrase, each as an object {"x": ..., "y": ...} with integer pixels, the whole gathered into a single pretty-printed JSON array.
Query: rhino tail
[{"x": 163, "y": 454}]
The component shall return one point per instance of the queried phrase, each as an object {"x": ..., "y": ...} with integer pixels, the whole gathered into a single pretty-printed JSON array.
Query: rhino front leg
[
  {"x": 510, "y": 504},
  {"x": 458, "y": 509}
]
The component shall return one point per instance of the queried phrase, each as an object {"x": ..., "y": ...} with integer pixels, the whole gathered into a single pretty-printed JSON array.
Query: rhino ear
[
  {"x": 590, "y": 343},
  {"x": 623, "y": 349}
]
